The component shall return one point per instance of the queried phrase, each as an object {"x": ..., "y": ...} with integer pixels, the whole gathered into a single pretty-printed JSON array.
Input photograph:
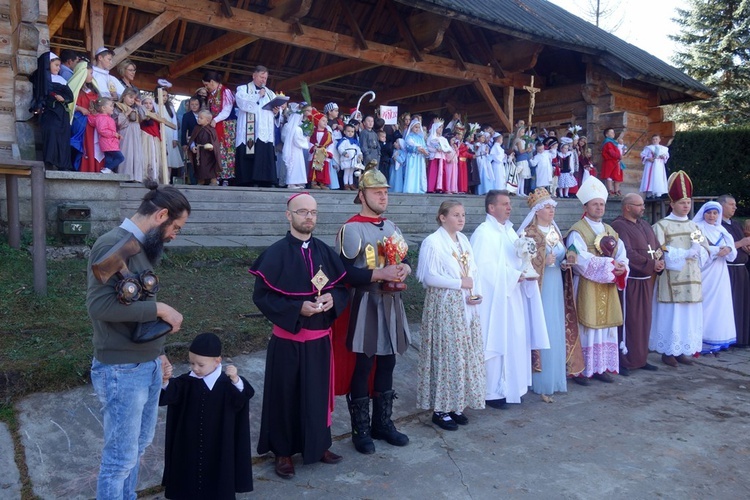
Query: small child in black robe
[
  {"x": 207, "y": 453},
  {"x": 206, "y": 154}
]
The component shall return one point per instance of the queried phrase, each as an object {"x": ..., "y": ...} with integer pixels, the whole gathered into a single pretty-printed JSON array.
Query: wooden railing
[{"x": 13, "y": 169}]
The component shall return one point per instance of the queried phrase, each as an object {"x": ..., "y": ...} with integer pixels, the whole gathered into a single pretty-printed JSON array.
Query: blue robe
[
  {"x": 415, "y": 169},
  {"x": 396, "y": 177},
  {"x": 553, "y": 377}
]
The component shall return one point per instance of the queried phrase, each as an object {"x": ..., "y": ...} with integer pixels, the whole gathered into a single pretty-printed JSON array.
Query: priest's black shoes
[
  {"x": 581, "y": 380},
  {"x": 604, "y": 377},
  {"x": 669, "y": 360},
  {"x": 624, "y": 371},
  {"x": 331, "y": 458},
  {"x": 444, "y": 421},
  {"x": 649, "y": 367},
  {"x": 284, "y": 467},
  {"x": 459, "y": 418},
  {"x": 498, "y": 404},
  {"x": 684, "y": 360}
]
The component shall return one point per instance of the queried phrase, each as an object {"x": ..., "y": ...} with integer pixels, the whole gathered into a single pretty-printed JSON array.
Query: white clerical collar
[
  {"x": 209, "y": 379},
  {"x": 130, "y": 226},
  {"x": 594, "y": 223},
  {"x": 672, "y": 216}
]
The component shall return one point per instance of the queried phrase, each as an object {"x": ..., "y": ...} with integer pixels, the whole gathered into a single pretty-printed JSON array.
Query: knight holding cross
[{"x": 645, "y": 259}]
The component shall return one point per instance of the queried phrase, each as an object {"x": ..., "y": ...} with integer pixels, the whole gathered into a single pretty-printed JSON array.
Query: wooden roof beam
[
  {"x": 226, "y": 8},
  {"x": 287, "y": 9},
  {"x": 353, "y": 24},
  {"x": 82, "y": 17},
  {"x": 428, "y": 29},
  {"x": 427, "y": 87},
  {"x": 58, "y": 14},
  {"x": 325, "y": 74},
  {"x": 269, "y": 28},
  {"x": 120, "y": 30},
  {"x": 209, "y": 52},
  {"x": 488, "y": 51},
  {"x": 147, "y": 33},
  {"x": 484, "y": 89},
  {"x": 517, "y": 55},
  {"x": 377, "y": 13},
  {"x": 453, "y": 48},
  {"x": 406, "y": 35}
]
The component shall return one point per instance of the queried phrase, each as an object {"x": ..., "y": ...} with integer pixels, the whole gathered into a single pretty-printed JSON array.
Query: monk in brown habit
[
  {"x": 738, "y": 273},
  {"x": 637, "y": 298}
]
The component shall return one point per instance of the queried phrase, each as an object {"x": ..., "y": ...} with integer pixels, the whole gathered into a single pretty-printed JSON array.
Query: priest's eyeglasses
[{"x": 302, "y": 212}]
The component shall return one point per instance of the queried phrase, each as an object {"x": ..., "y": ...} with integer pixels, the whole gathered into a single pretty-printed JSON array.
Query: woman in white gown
[{"x": 718, "y": 311}]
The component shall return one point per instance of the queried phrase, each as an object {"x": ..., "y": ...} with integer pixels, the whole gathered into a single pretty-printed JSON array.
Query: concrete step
[{"x": 235, "y": 212}]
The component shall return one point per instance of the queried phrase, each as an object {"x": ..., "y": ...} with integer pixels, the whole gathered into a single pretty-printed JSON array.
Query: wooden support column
[
  {"x": 508, "y": 101},
  {"x": 144, "y": 35},
  {"x": 484, "y": 89},
  {"x": 39, "y": 228},
  {"x": 96, "y": 24}
]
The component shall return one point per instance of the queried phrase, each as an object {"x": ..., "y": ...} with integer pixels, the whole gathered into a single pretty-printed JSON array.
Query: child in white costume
[{"x": 350, "y": 156}]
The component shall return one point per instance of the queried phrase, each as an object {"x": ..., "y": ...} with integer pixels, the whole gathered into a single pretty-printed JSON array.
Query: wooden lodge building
[{"x": 487, "y": 59}]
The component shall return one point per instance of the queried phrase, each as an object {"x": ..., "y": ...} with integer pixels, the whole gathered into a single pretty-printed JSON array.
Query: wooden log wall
[
  {"x": 604, "y": 101},
  {"x": 23, "y": 36}
]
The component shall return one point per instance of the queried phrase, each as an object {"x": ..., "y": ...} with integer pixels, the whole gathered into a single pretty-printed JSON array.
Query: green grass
[{"x": 45, "y": 342}]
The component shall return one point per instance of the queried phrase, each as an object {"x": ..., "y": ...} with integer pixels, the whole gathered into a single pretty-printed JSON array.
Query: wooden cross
[
  {"x": 532, "y": 99},
  {"x": 655, "y": 254}
]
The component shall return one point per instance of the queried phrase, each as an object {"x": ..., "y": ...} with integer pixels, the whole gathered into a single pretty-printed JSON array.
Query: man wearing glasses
[
  {"x": 645, "y": 259},
  {"x": 299, "y": 288}
]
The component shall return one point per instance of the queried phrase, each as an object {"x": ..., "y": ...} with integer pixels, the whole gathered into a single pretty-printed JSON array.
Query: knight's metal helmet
[{"x": 371, "y": 178}]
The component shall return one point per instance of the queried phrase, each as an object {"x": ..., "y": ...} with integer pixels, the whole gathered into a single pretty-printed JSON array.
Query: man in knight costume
[{"x": 377, "y": 328}]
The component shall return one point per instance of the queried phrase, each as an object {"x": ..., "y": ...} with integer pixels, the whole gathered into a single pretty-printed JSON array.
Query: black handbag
[{"x": 151, "y": 330}]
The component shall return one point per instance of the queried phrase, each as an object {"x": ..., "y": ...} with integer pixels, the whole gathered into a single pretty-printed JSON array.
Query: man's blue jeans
[{"x": 129, "y": 395}]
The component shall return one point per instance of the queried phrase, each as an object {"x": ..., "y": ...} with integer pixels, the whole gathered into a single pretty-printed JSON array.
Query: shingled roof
[{"x": 544, "y": 22}]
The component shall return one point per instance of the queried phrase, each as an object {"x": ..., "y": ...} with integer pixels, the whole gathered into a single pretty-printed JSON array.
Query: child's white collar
[{"x": 209, "y": 379}]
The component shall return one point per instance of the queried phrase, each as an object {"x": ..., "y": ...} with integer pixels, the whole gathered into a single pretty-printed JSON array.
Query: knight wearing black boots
[{"x": 377, "y": 328}]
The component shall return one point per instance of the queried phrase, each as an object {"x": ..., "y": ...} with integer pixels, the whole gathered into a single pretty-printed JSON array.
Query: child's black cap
[{"x": 206, "y": 344}]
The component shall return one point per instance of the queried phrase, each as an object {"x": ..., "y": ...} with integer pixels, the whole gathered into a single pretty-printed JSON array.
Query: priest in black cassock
[
  {"x": 738, "y": 273},
  {"x": 299, "y": 288}
]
